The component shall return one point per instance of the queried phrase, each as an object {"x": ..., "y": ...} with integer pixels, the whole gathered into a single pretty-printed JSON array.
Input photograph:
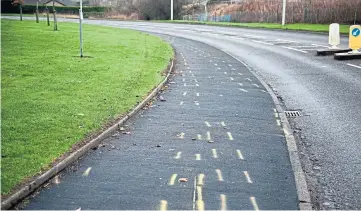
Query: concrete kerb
[
  {"x": 300, "y": 178},
  {"x": 36, "y": 183}
]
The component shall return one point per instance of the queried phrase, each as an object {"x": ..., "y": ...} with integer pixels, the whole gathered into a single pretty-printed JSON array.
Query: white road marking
[
  {"x": 219, "y": 174},
  {"x": 254, "y": 203},
  {"x": 178, "y": 155},
  {"x": 197, "y": 94},
  {"x": 233, "y": 68},
  {"x": 294, "y": 49},
  {"x": 87, "y": 171},
  {"x": 278, "y": 122},
  {"x": 247, "y": 176},
  {"x": 352, "y": 65},
  {"x": 240, "y": 74},
  {"x": 239, "y": 153},
  {"x": 223, "y": 124},
  {"x": 195, "y": 80},
  {"x": 240, "y": 84},
  {"x": 207, "y": 123},
  {"x": 185, "y": 84},
  {"x": 225, "y": 73},
  {"x": 266, "y": 43},
  {"x": 185, "y": 93},
  {"x": 232, "y": 79},
  {"x": 243, "y": 90},
  {"x": 223, "y": 202},
  {"x": 230, "y": 65},
  {"x": 208, "y": 136},
  {"x": 218, "y": 68},
  {"x": 214, "y": 152},
  {"x": 230, "y": 137},
  {"x": 181, "y": 103},
  {"x": 215, "y": 64},
  {"x": 255, "y": 85},
  {"x": 276, "y": 115},
  {"x": 197, "y": 84},
  {"x": 183, "y": 79},
  {"x": 248, "y": 79},
  {"x": 196, "y": 102},
  {"x": 320, "y": 45},
  {"x": 198, "y": 156}
]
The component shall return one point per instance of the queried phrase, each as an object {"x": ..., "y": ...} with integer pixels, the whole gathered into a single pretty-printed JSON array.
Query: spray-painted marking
[
  {"x": 240, "y": 74},
  {"x": 230, "y": 65},
  {"x": 198, "y": 156},
  {"x": 215, "y": 64},
  {"x": 239, "y": 153},
  {"x": 172, "y": 179},
  {"x": 195, "y": 80},
  {"x": 214, "y": 152},
  {"x": 225, "y": 73},
  {"x": 263, "y": 91},
  {"x": 248, "y": 79},
  {"x": 185, "y": 84},
  {"x": 199, "y": 137},
  {"x": 223, "y": 202},
  {"x": 178, "y": 156},
  {"x": 87, "y": 171},
  {"x": 230, "y": 137},
  {"x": 181, "y": 135},
  {"x": 266, "y": 43},
  {"x": 197, "y": 84},
  {"x": 232, "y": 79},
  {"x": 243, "y": 90},
  {"x": 219, "y": 175},
  {"x": 197, "y": 94},
  {"x": 223, "y": 124},
  {"x": 247, "y": 176},
  {"x": 254, "y": 203},
  {"x": 184, "y": 93},
  {"x": 255, "y": 85},
  {"x": 163, "y": 205},
  {"x": 208, "y": 125},
  {"x": 240, "y": 84}
]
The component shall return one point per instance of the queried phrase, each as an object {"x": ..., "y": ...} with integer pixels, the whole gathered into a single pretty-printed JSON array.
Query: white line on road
[
  {"x": 248, "y": 79},
  {"x": 197, "y": 84},
  {"x": 178, "y": 155},
  {"x": 255, "y": 85},
  {"x": 230, "y": 137},
  {"x": 240, "y": 156},
  {"x": 254, "y": 203},
  {"x": 261, "y": 42},
  {"x": 243, "y": 90},
  {"x": 352, "y": 65},
  {"x": 207, "y": 123},
  {"x": 197, "y": 94},
  {"x": 247, "y": 176},
  {"x": 223, "y": 124},
  {"x": 294, "y": 49},
  {"x": 181, "y": 103},
  {"x": 214, "y": 152},
  {"x": 232, "y": 79},
  {"x": 87, "y": 171},
  {"x": 185, "y": 93},
  {"x": 240, "y": 84},
  {"x": 240, "y": 74},
  {"x": 225, "y": 73}
]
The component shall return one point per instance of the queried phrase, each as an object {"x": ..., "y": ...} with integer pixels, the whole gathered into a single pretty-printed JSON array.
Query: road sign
[{"x": 355, "y": 37}]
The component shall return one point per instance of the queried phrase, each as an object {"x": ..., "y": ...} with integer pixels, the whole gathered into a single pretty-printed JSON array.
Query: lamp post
[
  {"x": 284, "y": 12},
  {"x": 171, "y": 9},
  {"x": 81, "y": 27}
]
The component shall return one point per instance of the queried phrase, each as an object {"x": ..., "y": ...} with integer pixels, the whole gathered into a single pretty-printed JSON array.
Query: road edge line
[
  {"x": 304, "y": 197},
  {"x": 33, "y": 185}
]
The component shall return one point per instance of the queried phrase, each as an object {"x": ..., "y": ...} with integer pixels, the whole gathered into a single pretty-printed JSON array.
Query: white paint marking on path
[
  {"x": 185, "y": 93},
  {"x": 240, "y": 84},
  {"x": 247, "y": 177},
  {"x": 87, "y": 171},
  {"x": 352, "y": 65},
  {"x": 294, "y": 49},
  {"x": 261, "y": 42},
  {"x": 239, "y": 153},
  {"x": 243, "y": 90}
]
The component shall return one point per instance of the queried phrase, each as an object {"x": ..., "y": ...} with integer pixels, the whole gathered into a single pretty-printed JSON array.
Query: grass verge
[
  {"x": 344, "y": 29},
  {"x": 52, "y": 98}
]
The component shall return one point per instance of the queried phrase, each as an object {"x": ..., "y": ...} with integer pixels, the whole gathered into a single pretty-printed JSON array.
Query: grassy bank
[
  {"x": 344, "y": 29},
  {"x": 52, "y": 99}
]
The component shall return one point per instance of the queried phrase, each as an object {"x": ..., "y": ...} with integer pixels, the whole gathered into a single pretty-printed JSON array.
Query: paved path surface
[{"x": 217, "y": 128}]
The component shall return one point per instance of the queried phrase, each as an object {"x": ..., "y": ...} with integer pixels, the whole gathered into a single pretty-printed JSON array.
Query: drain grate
[{"x": 292, "y": 113}]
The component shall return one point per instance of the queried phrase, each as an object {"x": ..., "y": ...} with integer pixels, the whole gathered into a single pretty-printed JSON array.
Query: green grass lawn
[
  {"x": 344, "y": 29},
  {"x": 52, "y": 99}
]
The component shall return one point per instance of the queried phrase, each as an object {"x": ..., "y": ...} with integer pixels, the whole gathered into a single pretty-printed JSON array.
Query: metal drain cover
[{"x": 292, "y": 113}]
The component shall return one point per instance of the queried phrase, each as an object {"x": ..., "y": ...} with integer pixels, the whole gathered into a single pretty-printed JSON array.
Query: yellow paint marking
[
  {"x": 278, "y": 122},
  {"x": 185, "y": 93},
  {"x": 200, "y": 203},
  {"x": 199, "y": 136},
  {"x": 208, "y": 136},
  {"x": 178, "y": 155},
  {"x": 223, "y": 124},
  {"x": 254, "y": 203},
  {"x": 223, "y": 202},
  {"x": 198, "y": 156},
  {"x": 219, "y": 174},
  {"x": 230, "y": 137},
  {"x": 207, "y": 123},
  {"x": 163, "y": 205},
  {"x": 87, "y": 171},
  {"x": 172, "y": 179},
  {"x": 197, "y": 94},
  {"x": 214, "y": 152},
  {"x": 276, "y": 115},
  {"x": 240, "y": 156},
  {"x": 200, "y": 181},
  {"x": 247, "y": 176}
]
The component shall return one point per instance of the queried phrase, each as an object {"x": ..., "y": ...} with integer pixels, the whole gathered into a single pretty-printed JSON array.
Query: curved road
[{"x": 325, "y": 91}]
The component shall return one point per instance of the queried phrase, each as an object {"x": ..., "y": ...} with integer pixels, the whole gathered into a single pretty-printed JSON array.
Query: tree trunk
[
  {"x": 21, "y": 12},
  {"x": 55, "y": 21},
  {"x": 47, "y": 16},
  {"x": 37, "y": 12}
]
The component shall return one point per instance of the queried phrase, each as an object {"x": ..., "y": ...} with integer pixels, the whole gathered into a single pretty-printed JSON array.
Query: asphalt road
[
  {"x": 217, "y": 129},
  {"x": 325, "y": 91}
]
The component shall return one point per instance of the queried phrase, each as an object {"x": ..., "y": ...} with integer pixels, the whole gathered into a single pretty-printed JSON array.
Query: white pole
[
  {"x": 81, "y": 27},
  {"x": 171, "y": 9},
  {"x": 284, "y": 13}
]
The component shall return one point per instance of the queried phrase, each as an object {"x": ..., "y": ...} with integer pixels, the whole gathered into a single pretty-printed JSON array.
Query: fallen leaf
[{"x": 183, "y": 180}]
